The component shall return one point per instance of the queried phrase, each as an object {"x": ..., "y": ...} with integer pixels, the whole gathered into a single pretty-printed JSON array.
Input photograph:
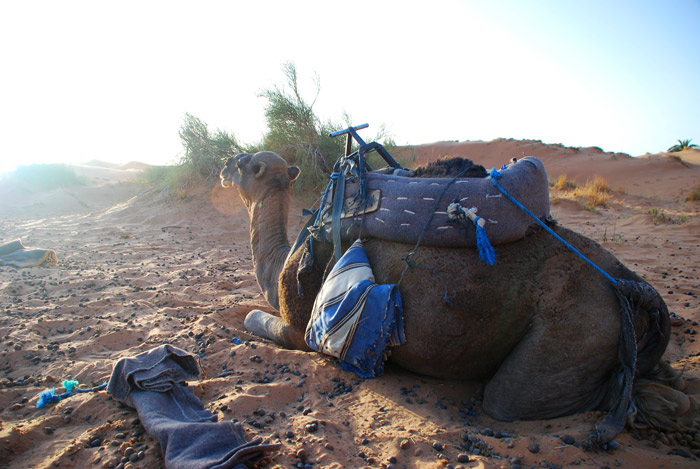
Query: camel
[{"x": 540, "y": 328}]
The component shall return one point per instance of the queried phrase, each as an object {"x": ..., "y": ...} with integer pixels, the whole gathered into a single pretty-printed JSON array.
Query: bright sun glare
[{"x": 112, "y": 81}]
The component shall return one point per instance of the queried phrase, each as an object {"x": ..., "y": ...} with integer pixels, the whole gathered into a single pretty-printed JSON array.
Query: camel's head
[{"x": 253, "y": 174}]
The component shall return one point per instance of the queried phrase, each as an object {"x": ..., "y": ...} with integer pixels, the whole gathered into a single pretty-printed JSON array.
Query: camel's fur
[{"x": 541, "y": 327}]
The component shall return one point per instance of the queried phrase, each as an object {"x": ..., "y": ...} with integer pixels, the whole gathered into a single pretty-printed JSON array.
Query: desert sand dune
[{"x": 136, "y": 271}]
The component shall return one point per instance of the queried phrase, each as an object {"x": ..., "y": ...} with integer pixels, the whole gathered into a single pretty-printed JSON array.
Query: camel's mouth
[{"x": 226, "y": 182}]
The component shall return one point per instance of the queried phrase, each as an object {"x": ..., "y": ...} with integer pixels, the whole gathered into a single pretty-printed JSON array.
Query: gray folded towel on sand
[
  {"x": 16, "y": 255},
  {"x": 190, "y": 437}
]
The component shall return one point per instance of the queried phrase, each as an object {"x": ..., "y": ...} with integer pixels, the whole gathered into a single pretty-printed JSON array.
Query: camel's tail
[
  {"x": 640, "y": 362},
  {"x": 659, "y": 402}
]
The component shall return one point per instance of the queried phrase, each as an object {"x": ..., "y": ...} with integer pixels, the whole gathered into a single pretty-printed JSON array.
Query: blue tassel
[
  {"x": 70, "y": 385},
  {"x": 46, "y": 397},
  {"x": 486, "y": 252}
]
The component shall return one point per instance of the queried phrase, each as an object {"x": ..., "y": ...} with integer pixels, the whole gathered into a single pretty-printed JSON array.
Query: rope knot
[
  {"x": 455, "y": 211},
  {"x": 495, "y": 174}
]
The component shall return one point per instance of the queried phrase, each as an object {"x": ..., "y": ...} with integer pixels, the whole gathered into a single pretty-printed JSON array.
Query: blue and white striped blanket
[{"x": 354, "y": 318}]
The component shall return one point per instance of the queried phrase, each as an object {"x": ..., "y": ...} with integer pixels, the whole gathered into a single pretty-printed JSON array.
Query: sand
[{"x": 136, "y": 270}]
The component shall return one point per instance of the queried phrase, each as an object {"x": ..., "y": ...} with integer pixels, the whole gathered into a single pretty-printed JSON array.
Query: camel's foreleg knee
[{"x": 274, "y": 328}]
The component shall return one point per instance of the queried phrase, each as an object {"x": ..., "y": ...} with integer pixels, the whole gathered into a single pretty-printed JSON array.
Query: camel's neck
[{"x": 268, "y": 240}]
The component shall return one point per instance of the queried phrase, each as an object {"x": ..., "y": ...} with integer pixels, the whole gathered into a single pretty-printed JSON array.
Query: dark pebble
[
  {"x": 611, "y": 446},
  {"x": 393, "y": 460},
  {"x": 681, "y": 452},
  {"x": 463, "y": 458},
  {"x": 49, "y": 430},
  {"x": 95, "y": 443},
  {"x": 437, "y": 446},
  {"x": 534, "y": 448},
  {"x": 311, "y": 427},
  {"x": 568, "y": 439}
]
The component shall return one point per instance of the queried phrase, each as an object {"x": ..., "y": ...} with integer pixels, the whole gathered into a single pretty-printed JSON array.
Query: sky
[{"x": 112, "y": 80}]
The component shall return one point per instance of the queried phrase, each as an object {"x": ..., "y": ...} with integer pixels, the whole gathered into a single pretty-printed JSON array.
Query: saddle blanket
[{"x": 354, "y": 318}]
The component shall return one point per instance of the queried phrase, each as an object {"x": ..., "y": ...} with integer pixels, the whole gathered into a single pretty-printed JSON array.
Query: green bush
[
  {"x": 172, "y": 181},
  {"x": 297, "y": 134},
  {"x": 205, "y": 152},
  {"x": 294, "y": 132}
]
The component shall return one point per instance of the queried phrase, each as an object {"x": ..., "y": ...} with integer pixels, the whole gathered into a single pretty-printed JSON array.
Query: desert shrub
[
  {"x": 297, "y": 134},
  {"x": 303, "y": 139},
  {"x": 294, "y": 131},
  {"x": 659, "y": 216},
  {"x": 206, "y": 152},
  {"x": 694, "y": 195},
  {"x": 596, "y": 192},
  {"x": 563, "y": 183},
  {"x": 682, "y": 145},
  {"x": 171, "y": 181},
  {"x": 40, "y": 177}
]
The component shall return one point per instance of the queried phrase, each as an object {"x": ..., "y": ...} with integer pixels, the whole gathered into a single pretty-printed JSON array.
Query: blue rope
[
  {"x": 50, "y": 396},
  {"x": 495, "y": 174}
]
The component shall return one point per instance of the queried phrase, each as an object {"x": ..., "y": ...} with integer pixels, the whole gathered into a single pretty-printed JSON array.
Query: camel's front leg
[{"x": 274, "y": 328}]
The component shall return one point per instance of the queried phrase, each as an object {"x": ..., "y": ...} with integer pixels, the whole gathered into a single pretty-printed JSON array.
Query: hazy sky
[{"x": 113, "y": 80}]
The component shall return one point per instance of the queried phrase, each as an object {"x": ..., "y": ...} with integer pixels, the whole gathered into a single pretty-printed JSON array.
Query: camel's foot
[
  {"x": 274, "y": 328},
  {"x": 258, "y": 323}
]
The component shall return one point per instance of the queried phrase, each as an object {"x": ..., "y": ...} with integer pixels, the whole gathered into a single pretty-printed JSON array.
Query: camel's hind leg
[
  {"x": 274, "y": 328},
  {"x": 562, "y": 365}
]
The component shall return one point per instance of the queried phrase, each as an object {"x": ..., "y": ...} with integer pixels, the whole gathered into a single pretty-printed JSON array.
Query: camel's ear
[
  {"x": 293, "y": 173},
  {"x": 242, "y": 159},
  {"x": 258, "y": 169}
]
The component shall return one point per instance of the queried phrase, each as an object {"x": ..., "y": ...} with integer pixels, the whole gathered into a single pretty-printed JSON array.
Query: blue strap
[
  {"x": 338, "y": 202},
  {"x": 495, "y": 174},
  {"x": 313, "y": 221}
]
